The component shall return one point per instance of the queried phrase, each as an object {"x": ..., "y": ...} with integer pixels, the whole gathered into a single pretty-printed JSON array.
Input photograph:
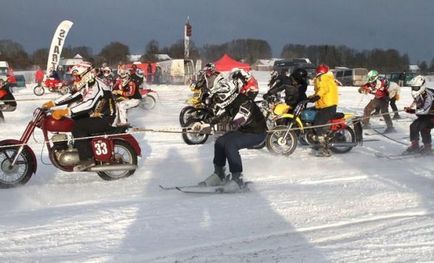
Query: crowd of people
[{"x": 99, "y": 101}]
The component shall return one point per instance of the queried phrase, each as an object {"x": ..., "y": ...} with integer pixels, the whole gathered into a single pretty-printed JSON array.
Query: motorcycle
[
  {"x": 148, "y": 100},
  {"x": 115, "y": 152},
  {"x": 283, "y": 138},
  {"x": 198, "y": 101},
  {"x": 52, "y": 85}
]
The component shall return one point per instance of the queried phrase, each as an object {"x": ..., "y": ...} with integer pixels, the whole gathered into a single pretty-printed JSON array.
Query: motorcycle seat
[
  {"x": 339, "y": 115},
  {"x": 112, "y": 130}
]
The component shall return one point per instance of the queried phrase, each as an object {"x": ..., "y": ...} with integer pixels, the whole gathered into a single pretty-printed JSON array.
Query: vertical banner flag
[{"x": 57, "y": 44}]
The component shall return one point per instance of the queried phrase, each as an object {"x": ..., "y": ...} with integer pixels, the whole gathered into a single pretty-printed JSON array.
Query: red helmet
[{"x": 321, "y": 69}]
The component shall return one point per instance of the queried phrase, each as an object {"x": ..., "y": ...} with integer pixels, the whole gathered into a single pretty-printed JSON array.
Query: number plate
[{"x": 102, "y": 149}]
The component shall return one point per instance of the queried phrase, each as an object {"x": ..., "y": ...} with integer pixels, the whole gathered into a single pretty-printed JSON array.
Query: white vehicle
[
  {"x": 4, "y": 67},
  {"x": 176, "y": 71}
]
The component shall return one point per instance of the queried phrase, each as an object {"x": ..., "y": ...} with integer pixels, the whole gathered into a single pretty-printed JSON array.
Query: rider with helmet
[
  {"x": 248, "y": 83},
  {"x": 423, "y": 100},
  {"x": 326, "y": 100},
  {"x": 92, "y": 107},
  {"x": 136, "y": 75},
  {"x": 129, "y": 95},
  {"x": 295, "y": 86},
  {"x": 7, "y": 99},
  {"x": 379, "y": 87},
  {"x": 106, "y": 75},
  {"x": 251, "y": 131}
]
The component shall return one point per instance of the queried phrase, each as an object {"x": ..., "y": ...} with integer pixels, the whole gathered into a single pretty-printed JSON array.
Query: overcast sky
[{"x": 405, "y": 25}]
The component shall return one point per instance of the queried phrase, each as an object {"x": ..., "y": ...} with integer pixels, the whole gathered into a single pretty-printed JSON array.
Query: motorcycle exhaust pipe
[
  {"x": 343, "y": 144},
  {"x": 114, "y": 167}
]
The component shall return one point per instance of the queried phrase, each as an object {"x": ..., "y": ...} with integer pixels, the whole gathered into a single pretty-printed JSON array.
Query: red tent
[{"x": 226, "y": 63}]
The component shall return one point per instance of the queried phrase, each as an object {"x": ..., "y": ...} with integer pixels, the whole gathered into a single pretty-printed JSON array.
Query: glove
[
  {"x": 313, "y": 98},
  {"x": 59, "y": 114},
  {"x": 48, "y": 105},
  {"x": 200, "y": 126},
  {"x": 117, "y": 92},
  {"x": 409, "y": 110}
]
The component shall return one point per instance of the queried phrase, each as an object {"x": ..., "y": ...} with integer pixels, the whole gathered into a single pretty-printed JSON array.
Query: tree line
[{"x": 248, "y": 50}]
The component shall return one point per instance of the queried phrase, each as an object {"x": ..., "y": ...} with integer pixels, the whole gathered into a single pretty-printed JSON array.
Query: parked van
[
  {"x": 351, "y": 77},
  {"x": 176, "y": 71},
  {"x": 4, "y": 67}
]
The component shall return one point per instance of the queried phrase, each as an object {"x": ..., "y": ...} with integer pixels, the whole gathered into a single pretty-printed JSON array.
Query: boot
[
  {"x": 426, "y": 149},
  {"x": 413, "y": 148},
  {"x": 215, "y": 179},
  {"x": 323, "y": 152},
  {"x": 396, "y": 116},
  {"x": 235, "y": 184}
]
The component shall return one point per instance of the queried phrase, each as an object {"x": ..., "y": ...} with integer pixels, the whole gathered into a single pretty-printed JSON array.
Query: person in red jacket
[
  {"x": 249, "y": 85},
  {"x": 129, "y": 95},
  {"x": 39, "y": 76},
  {"x": 379, "y": 87}
]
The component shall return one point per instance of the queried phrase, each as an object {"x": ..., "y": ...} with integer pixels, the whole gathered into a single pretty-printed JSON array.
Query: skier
[
  {"x": 326, "y": 100},
  {"x": 379, "y": 87},
  {"x": 129, "y": 96},
  {"x": 295, "y": 86},
  {"x": 249, "y": 85},
  {"x": 7, "y": 99},
  {"x": 94, "y": 111},
  {"x": 423, "y": 99},
  {"x": 251, "y": 131}
]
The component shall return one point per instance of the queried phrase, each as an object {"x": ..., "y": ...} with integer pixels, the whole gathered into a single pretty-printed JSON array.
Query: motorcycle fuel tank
[{"x": 62, "y": 125}]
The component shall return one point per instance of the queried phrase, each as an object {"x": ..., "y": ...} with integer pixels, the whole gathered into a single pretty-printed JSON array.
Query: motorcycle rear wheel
[
  {"x": 38, "y": 90},
  {"x": 20, "y": 173},
  {"x": 277, "y": 144},
  {"x": 124, "y": 154},
  {"x": 344, "y": 135},
  {"x": 148, "y": 102}
]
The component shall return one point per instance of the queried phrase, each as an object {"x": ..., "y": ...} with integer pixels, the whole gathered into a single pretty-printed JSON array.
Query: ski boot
[
  {"x": 235, "y": 184},
  {"x": 412, "y": 149},
  {"x": 215, "y": 179},
  {"x": 426, "y": 149}
]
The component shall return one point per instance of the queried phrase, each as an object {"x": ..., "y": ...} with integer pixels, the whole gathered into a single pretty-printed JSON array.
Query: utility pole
[{"x": 187, "y": 35}]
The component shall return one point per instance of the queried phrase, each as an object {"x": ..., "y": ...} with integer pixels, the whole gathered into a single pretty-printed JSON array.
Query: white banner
[{"x": 57, "y": 44}]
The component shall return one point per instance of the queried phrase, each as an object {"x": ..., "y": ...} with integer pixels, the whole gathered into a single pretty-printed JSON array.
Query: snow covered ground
[{"x": 353, "y": 207}]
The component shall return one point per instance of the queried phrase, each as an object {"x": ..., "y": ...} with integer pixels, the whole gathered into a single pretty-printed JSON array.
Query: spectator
[
  {"x": 401, "y": 79},
  {"x": 39, "y": 76},
  {"x": 149, "y": 73}
]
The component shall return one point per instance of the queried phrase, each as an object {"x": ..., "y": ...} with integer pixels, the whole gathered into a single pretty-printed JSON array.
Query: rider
[
  {"x": 295, "y": 86},
  {"x": 107, "y": 76},
  {"x": 93, "y": 112},
  {"x": 129, "y": 95},
  {"x": 7, "y": 99},
  {"x": 379, "y": 87},
  {"x": 423, "y": 99},
  {"x": 249, "y": 85},
  {"x": 326, "y": 100},
  {"x": 251, "y": 131},
  {"x": 136, "y": 75}
]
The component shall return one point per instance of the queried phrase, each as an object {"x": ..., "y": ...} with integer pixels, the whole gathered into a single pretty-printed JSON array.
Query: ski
[
  {"x": 182, "y": 187},
  {"x": 211, "y": 189}
]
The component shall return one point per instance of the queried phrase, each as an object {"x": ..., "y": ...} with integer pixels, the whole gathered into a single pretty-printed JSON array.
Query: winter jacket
[
  {"x": 394, "y": 90},
  {"x": 245, "y": 115},
  {"x": 327, "y": 89},
  {"x": 424, "y": 103},
  {"x": 294, "y": 91}
]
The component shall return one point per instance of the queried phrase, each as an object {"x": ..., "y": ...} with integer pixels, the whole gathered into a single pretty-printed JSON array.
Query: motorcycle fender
[
  {"x": 131, "y": 140},
  {"x": 291, "y": 116},
  {"x": 32, "y": 154}
]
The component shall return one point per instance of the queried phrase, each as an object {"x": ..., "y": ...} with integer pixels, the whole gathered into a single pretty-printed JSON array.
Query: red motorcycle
[
  {"x": 115, "y": 152},
  {"x": 52, "y": 85}
]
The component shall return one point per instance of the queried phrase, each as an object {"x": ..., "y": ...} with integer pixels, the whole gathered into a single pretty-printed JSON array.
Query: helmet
[
  {"x": 209, "y": 69},
  {"x": 417, "y": 85},
  {"x": 322, "y": 69},
  {"x": 223, "y": 91},
  {"x": 124, "y": 75},
  {"x": 372, "y": 76},
  {"x": 106, "y": 71},
  {"x": 299, "y": 74},
  {"x": 241, "y": 74},
  {"x": 79, "y": 70}
]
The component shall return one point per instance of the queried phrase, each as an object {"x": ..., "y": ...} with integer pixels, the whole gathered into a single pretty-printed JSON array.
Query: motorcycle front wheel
[
  {"x": 20, "y": 172},
  {"x": 191, "y": 138},
  {"x": 278, "y": 144},
  {"x": 148, "y": 102},
  {"x": 63, "y": 90},
  {"x": 123, "y": 154},
  {"x": 38, "y": 90}
]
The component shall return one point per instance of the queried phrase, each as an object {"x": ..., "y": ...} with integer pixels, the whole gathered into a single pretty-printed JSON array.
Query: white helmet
[
  {"x": 106, "y": 71},
  {"x": 223, "y": 91},
  {"x": 417, "y": 86}
]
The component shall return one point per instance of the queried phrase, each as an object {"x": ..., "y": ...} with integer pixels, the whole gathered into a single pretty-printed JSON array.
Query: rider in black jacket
[
  {"x": 294, "y": 85},
  {"x": 251, "y": 131}
]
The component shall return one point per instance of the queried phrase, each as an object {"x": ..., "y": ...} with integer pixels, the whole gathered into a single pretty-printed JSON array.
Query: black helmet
[{"x": 299, "y": 74}]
